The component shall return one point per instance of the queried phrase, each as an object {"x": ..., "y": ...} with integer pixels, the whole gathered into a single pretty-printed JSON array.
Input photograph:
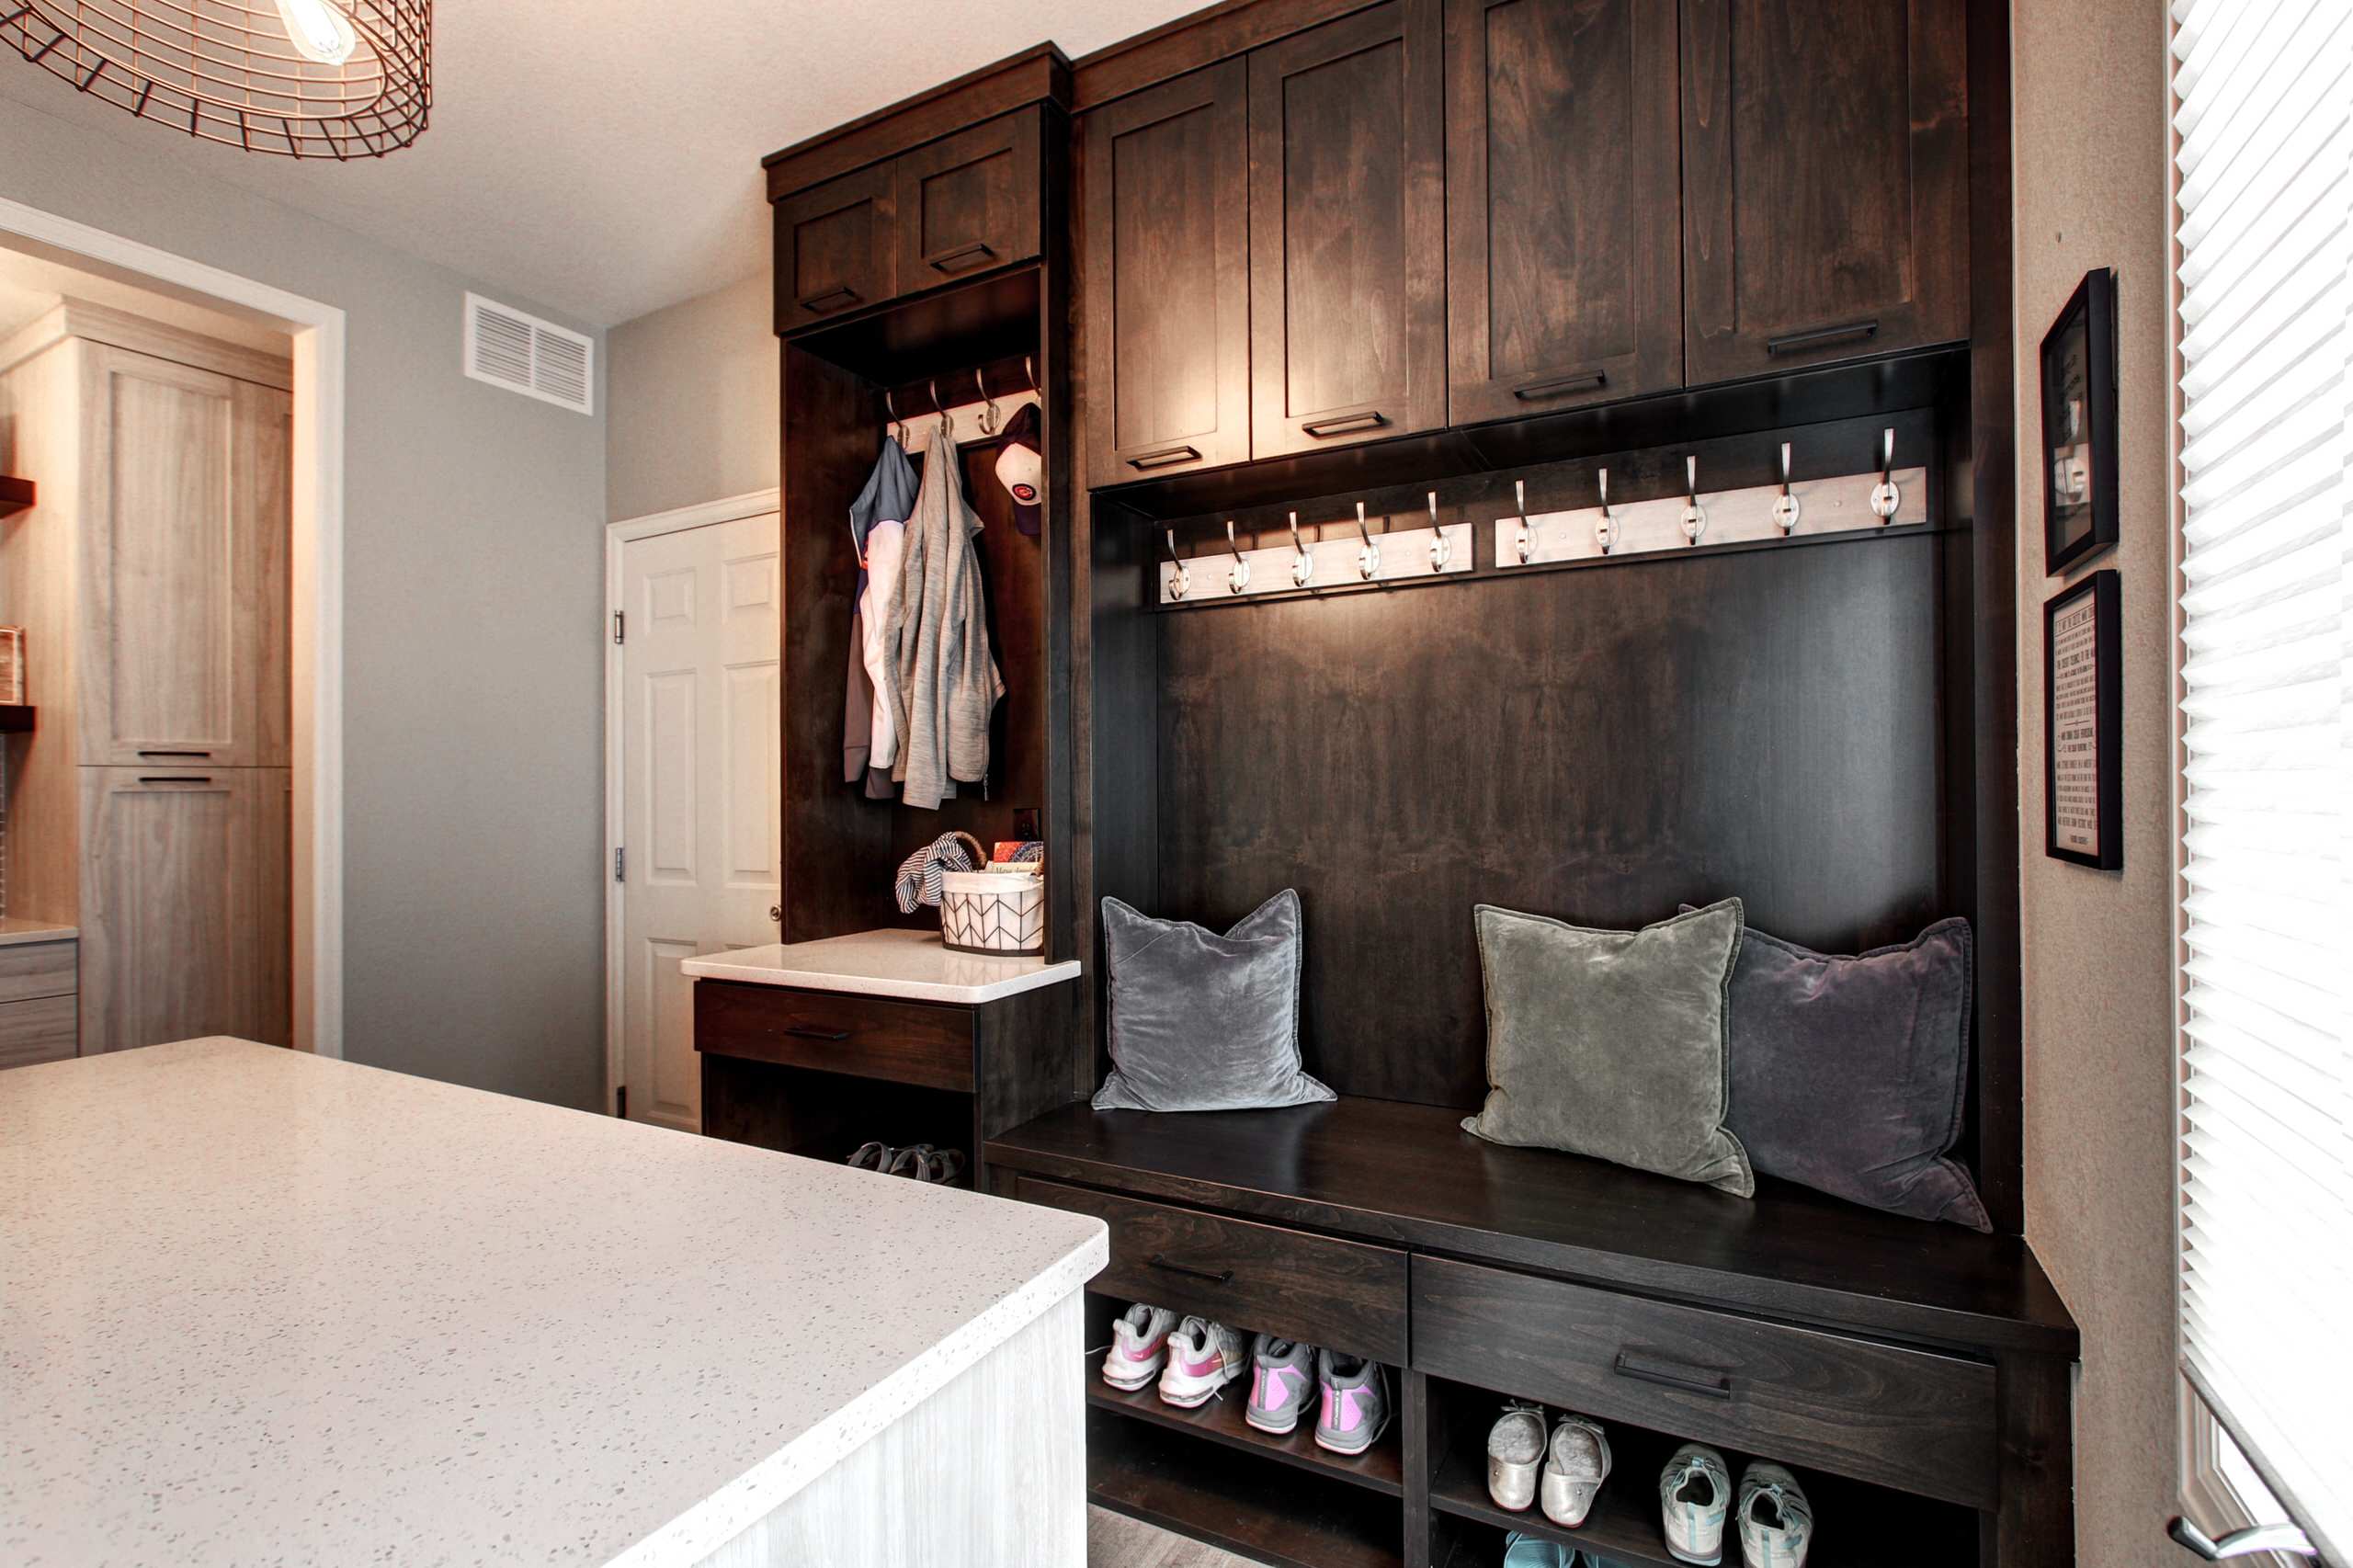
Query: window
[{"x": 2263, "y": 119}]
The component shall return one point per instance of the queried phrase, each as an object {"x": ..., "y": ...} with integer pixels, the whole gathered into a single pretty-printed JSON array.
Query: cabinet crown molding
[{"x": 103, "y": 323}]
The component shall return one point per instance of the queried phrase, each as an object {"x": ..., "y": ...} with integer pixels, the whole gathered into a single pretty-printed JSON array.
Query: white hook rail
[
  {"x": 1842, "y": 505},
  {"x": 1295, "y": 563}
]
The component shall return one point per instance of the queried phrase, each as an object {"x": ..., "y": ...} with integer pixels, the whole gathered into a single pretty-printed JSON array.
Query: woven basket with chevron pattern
[{"x": 999, "y": 913}]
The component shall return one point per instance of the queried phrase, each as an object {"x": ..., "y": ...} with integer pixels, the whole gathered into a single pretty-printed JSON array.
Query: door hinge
[
  {"x": 621, "y": 1101},
  {"x": 620, "y": 624},
  {"x": 617, "y": 863}
]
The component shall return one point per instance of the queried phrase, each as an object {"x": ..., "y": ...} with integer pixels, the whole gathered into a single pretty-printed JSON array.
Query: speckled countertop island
[{"x": 260, "y": 1308}]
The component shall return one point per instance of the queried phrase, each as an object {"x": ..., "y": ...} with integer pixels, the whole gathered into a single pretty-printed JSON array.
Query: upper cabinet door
[
  {"x": 837, "y": 247},
  {"x": 1167, "y": 295},
  {"x": 1348, "y": 232},
  {"x": 1826, "y": 180},
  {"x": 184, "y": 565},
  {"x": 969, "y": 202},
  {"x": 1564, "y": 199}
]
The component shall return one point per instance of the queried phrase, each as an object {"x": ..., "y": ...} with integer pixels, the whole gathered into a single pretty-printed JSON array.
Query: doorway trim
[
  {"x": 754, "y": 504},
  {"x": 315, "y": 558}
]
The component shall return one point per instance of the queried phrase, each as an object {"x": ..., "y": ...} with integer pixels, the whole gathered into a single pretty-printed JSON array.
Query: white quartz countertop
[
  {"x": 915, "y": 965},
  {"x": 15, "y": 928},
  {"x": 257, "y": 1307}
]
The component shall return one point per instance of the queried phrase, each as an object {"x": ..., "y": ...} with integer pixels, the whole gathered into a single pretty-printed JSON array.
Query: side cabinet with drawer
[
  {"x": 38, "y": 1003},
  {"x": 820, "y": 1072}
]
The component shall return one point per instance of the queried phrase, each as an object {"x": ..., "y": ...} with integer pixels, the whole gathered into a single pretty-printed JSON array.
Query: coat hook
[
  {"x": 1441, "y": 547},
  {"x": 939, "y": 407},
  {"x": 1181, "y": 579},
  {"x": 1029, "y": 369},
  {"x": 988, "y": 405},
  {"x": 1885, "y": 497},
  {"x": 890, "y": 406},
  {"x": 1368, "y": 558},
  {"x": 1786, "y": 510},
  {"x": 1526, "y": 541},
  {"x": 1239, "y": 578},
  {"x": 1695, "y": 516},
  {"x": 1302, "y": 564},
  {"x": 1605, "y": 529}
]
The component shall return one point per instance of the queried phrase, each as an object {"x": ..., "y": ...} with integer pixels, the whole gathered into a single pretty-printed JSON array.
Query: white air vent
[{"x": 524, "y": 354}]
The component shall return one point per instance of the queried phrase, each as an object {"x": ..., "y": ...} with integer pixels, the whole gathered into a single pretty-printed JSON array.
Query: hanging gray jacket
[{"x": 947, "y": 679}]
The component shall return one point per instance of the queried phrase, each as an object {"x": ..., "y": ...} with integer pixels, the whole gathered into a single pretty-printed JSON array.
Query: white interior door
[{"x": 699, "y": 786}]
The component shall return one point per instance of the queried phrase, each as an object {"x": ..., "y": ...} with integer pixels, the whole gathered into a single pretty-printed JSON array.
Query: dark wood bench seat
[{"x": 1407, "y": 1175}]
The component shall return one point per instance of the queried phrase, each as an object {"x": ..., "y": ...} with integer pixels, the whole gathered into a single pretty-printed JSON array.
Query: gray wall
[
  {"x": 693, "y": 402},
  {"x": 474, "y": 603},
  {"x": 2100, "y": 1088}
]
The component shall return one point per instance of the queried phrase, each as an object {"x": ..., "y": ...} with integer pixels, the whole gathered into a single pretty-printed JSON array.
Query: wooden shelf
[
  {"x": 16, "y": 717},
  {"x": 1216, "y": 1494},
  {"x": 1856, "y": 1526},
  {"x": 1382, "y": 1469},
  {"x": 15, "y": 495}
]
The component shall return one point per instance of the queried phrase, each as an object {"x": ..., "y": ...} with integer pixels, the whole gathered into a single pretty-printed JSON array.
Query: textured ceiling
[{"x": 602, "y": 157}]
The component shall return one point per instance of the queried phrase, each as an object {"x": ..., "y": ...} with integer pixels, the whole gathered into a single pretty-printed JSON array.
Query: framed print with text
[
  {"x": 2079, "y": 425},
  {"x": 2082, "y": 711}
]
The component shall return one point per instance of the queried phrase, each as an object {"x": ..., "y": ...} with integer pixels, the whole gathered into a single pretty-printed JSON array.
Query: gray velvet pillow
[
  {"x": 1612, "y": 1043},
  {"x": 1205, "y": 1022},
  {"x": 1848, "y": 1073}
]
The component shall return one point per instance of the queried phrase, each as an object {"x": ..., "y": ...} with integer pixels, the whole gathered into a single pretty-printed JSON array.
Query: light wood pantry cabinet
[{"x": 149, "y": 805}]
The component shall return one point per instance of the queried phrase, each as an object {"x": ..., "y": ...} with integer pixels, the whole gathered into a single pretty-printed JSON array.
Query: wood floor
[{"x": 1114, "y": 1541}]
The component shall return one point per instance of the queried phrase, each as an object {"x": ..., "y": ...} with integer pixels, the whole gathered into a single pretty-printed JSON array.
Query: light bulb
[{"x": 317, "y": 30}]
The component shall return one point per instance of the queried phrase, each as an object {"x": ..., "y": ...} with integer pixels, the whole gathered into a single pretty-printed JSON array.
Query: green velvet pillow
[{"x": 1614, "y": 1043}]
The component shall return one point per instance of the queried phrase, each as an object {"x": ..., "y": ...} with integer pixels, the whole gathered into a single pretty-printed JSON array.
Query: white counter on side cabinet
[
  {"x": 259, "y": 1307},
  {"x": 915, "y": 965}
]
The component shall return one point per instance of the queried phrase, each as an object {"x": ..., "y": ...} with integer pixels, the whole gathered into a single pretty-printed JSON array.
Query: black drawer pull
[
  {"x": 175, "y": 754},
  {"x": 1583, "y": 380},
  {"x": 1821, "y": 336},
  {"x": 955, "y": 260},
  {"x": 1345, "y": 424},
  {"x": 1222, "y": 1277},
  {"x": 175, "y": 779},
  {"x": 1163, "y": 458},
  {"x": 1673, "y": 1375},
  {"x": 816, "y": 303},
  {"x": 800, "y": 1032}
]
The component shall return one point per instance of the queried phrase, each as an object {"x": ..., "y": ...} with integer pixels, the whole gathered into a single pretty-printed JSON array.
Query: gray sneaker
[
  {"x": 1281, "y": 1373},
  {"x": 1139, "y": 1347},
  {"x": 1355, "y": 1409},
  {"x": 1775, "y": 1520},
  {"x": 1573, "y": 1469},
  {"x": 1515, "y": 1450},
  {"x": 1694, "y": 1494},
  {"x": 1203, "y": 1357}
]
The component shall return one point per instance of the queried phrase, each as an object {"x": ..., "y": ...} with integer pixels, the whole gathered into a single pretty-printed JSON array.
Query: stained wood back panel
[{"x": 1596, "y": 745}]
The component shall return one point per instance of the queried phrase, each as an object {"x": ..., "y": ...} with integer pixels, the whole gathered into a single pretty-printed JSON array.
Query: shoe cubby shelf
[
  {"x": 1273, "y": 1514},
  {"x": 1380, "y": 1469}
]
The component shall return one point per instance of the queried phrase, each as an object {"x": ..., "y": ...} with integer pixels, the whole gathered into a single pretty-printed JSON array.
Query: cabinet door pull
[
  {"x": 203, "y": 754},
  {"x": 1583, "y": 380},
  {"x": 962, "y": 258},
  {"x": 1821, "y": 336},
  {"x": 1163, "y": 458},
  {"x": 816, "y": 303},
  {"x": 802, "y": 1033},
  {"x": 175, "y": 779},
  {"x": 1673, "y": 1375},
  {"x": 1222, "y": 1277},
  {"x": 1345, "y": 424}
]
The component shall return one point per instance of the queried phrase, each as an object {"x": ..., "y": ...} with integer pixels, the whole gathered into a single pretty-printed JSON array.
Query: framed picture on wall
[
  {"x": 2079, "y": 425},
  {"x": 2082, "y": 711}
]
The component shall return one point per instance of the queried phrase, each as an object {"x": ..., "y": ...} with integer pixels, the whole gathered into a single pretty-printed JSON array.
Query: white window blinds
[{"x": 2264, "y": 114}]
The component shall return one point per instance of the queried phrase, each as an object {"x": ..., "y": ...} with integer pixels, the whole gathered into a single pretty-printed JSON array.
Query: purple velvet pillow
[{"x": 1848, "y": 1073}]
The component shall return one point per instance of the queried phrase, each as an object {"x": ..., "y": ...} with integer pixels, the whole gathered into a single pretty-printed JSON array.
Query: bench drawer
[
  {"x": 36, "y": 969},
  {"x": 1911, "y": 1419},
  {"x": 866, "y": 1037},
  {"x": 1252, "y": 1277},
  {"x": 43, "y": 1029}
]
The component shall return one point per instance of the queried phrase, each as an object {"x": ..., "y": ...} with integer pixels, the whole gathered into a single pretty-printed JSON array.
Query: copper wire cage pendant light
[{"x": 301, "y": 78}]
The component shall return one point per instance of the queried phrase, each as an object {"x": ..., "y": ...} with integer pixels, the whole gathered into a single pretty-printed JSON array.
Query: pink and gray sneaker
[
  {"x": 1281, "y": 1373},
  {"x": 1139, "y": 1347},
  {"x": 1355, "y": 1402},
  {"x": 1203, "y": 1357}
]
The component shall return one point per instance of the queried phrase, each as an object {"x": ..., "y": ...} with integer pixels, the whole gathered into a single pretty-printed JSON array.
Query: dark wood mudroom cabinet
[
  {"x": 969, "y": 202},
  {"x": 1825, "y": 181},
  {"x": 1347, "y": 246},
  {"x": 1563, "y": 204},
  {"x": 837, "y": 247},
  {"x": 1165, "y": 233}
]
